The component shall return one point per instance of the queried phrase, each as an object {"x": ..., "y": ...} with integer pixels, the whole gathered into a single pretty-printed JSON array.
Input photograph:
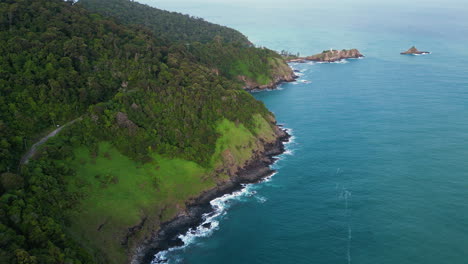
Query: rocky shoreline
[
  {"x": 329, "y": 56},
  {"x": 256, "y": 170},
  {"x": 278, "y": 80}
]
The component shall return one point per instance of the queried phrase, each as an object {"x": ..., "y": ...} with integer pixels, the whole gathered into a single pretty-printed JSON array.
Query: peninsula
[
  {"x": 155, "y": 122},
  {"x": 328, "y": 56},
  {"x": 413, "y": 50}
]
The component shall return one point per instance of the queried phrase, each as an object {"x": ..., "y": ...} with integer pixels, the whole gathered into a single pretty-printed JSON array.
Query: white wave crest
[
  {"x": 288, "y": 130},
  {"x": 292, "y": 138},
  {"x": 341, "y": 61},
  {"x": 278, "y": 88},
  {"x": 414, "y": 54},
  {"x": 268, "y": 178},
  {"x": 210, "y": 221},
  {"x": 261, "y": 199}
]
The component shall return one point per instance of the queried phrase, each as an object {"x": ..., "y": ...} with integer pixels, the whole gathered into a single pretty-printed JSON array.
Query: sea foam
[
  {"x": 210, "y": 222},
  {"x": 341, "y": 61}
]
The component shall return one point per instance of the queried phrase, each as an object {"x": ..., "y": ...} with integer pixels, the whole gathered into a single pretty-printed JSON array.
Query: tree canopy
[
  {"x": 173, "y": 26},
  {"x": 141, "y": 88}
]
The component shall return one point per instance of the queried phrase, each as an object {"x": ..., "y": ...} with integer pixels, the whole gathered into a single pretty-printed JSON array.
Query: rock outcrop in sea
[
  {"x": 330, "y": 56},
  {"x": 414, "y": 50}
]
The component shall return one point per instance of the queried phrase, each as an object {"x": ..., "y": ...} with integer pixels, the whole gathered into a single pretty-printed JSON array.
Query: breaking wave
[
  {"x": 341, "y": 61},
  {"x": 210, "y": 222}
]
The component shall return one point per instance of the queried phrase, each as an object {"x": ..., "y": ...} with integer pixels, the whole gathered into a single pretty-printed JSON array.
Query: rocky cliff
[
  {"x": 254, "y": 170},
  {"x": 330, "y": 56}
]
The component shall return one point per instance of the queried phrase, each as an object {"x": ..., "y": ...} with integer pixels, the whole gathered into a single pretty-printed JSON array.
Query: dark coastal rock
[
  {"x": 168, "y": 235},
  {"x": 330, "y": 56},
  {"x": 414, "y": 50}
]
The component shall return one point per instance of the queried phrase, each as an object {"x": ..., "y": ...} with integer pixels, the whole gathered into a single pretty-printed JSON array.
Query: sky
[
  {"x": 280, "y": 3},
  {"x": 348, "y": 17},
  {"x": 429, "y": 8}
]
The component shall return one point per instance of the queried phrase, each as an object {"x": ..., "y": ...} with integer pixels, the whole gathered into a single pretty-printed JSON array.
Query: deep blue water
[{"x": 378, "y": 170}]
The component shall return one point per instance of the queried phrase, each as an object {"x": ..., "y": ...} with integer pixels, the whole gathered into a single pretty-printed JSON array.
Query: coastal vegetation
[
  {"x": 173, "y": 26},
  {"x": 288, "y": 55},
  {"x": 224, "y": 50},
  {"x": 160, "y": 122}
]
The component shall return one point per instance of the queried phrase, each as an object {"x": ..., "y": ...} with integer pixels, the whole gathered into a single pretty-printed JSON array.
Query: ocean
[{"x": 377, "y": 170}]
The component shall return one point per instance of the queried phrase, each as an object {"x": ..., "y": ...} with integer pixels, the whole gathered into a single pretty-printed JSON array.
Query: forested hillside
[
  {"x": 158, "y": 127},
  {"x": 56, "y": 60},
  {"x": 224, "y": 50},
  {"x": 173, "y": 26}
]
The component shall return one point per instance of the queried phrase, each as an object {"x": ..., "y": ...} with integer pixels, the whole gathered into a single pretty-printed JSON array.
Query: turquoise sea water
[{"x": 378, "y": 169}]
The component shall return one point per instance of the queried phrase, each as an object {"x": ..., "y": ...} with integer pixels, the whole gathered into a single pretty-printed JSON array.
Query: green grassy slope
[{"x": 119, "y": 193}]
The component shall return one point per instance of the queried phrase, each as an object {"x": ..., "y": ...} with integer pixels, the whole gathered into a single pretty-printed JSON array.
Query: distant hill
[
  {"x": 226, "y": 51},
  {"x": 169, "y": 25}
]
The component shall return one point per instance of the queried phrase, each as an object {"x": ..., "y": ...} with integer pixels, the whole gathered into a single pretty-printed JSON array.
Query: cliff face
[
  {"x": 268, "y": 145},
  {"x": 414, "y": 50},
  {"x": 330, "y": 56},
  {"x": 279, "y": 72}
]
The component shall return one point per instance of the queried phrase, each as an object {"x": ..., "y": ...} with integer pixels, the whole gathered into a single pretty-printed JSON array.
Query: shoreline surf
[{"x": 201, "y": 208}]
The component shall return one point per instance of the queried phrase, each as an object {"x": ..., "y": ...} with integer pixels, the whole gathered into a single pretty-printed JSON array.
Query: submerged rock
[{"x": 414, "y": 50}]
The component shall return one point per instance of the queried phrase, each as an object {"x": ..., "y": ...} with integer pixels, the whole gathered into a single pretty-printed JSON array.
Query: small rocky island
[
  {"x": 413, "y": 50},
  {"x": 328, "y": 56}
]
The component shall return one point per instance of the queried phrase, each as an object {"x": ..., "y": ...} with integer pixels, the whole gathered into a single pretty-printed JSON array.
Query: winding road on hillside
[{"x": 35, "y": 146}]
